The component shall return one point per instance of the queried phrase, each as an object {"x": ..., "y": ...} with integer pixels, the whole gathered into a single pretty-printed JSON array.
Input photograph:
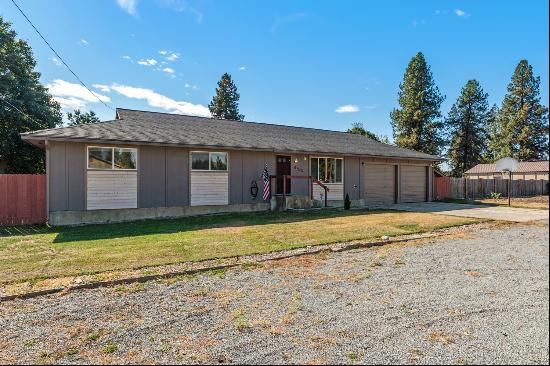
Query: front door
[{"x": 283, "y": 168}]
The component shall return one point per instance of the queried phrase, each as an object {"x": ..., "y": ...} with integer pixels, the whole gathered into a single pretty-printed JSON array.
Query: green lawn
[{"x": 31, "y": 253}]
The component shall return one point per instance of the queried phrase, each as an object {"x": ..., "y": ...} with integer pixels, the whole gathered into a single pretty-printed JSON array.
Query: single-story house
[
  {"x": 149, "y": 164},
  {"x": 527, "y": 170}
]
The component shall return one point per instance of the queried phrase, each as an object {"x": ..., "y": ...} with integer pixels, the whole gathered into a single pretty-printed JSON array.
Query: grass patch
[
  {"x": 110, "y": 348},
  {"x": 29, "y": 255}
]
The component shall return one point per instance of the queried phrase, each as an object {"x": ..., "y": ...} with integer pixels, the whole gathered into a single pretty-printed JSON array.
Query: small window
[
  {"x": 315, "y": 168},
  {"x": 209, "y": 161},
  {"x": 100, "y": 158},
  {"x": 218, "y": 161},
  {"x": 199, "y": 161},
  {"x": 327, "y": 170},
  {"x": 112, "y": 158},
  {"x": 125, "y": 158}
]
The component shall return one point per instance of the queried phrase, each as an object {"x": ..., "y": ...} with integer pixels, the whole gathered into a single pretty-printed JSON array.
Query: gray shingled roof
[
  {"x": 174, "y": 129},
  {"x": 523, "y": 167}
]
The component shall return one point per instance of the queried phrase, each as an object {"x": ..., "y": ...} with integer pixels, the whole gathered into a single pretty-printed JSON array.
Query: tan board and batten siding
[
  {"x": 209, "y": 188},
  {"x": 413, "y": 183},
  {"x": 379, "y": 184},
  {"x": 111, "y": 189}
]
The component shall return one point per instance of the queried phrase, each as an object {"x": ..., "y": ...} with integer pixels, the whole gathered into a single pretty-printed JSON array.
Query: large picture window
[
  {"x": 216, "y": 161},
  {"x": 327, "y": 170},
  {"x": 123, "y": 158}
]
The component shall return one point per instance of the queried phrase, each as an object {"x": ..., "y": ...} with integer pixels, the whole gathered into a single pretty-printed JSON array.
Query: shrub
[
  {"x": 495, "y": 195},
  {"x": 347, "y": 202}
]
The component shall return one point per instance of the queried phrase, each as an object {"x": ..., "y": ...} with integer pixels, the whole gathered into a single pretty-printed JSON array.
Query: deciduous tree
[
  {"x": 25, "y": 105},
  {"x": 80, "y": 118}
]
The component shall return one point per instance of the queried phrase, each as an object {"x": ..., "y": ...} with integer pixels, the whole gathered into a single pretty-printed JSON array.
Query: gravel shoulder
[{"x": 479, "y": 296}]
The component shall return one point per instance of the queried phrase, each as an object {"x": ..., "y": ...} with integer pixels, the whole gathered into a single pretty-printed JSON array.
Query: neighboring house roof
[
  {"x": 142, "y": 127},
  {"x": 523, "y": 167}
]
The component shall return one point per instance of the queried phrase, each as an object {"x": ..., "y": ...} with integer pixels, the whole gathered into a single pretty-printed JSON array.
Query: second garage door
[
  {"x": 379, "y": 184},
  {"x": 413, "y": 183}
]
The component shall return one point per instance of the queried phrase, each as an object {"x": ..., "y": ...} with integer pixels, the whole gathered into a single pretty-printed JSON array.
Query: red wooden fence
[
  {"x": 22, "y": 199},
  {"x": 442, "y": 187}
]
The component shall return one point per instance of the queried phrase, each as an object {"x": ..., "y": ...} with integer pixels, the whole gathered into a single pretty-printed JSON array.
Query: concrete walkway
[{"x": 478, "y": 211}]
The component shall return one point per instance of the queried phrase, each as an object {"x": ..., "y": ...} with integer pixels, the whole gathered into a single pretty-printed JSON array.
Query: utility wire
[
  {"x": 41, "y": 124},
  {"x": 59, "y": 57}
]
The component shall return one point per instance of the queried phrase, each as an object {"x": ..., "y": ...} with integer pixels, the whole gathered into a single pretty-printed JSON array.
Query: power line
[
  {"x": 3, "y": 99},
  {"x": 59, "y": 57}
]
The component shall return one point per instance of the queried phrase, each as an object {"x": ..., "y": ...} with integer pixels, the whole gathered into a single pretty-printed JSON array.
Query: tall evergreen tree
[
  {"x": 466, "y": 123},
  {"x": 417, "y": 122},
  {"x": 523, "y": 119},
  {"x": 80, "y": 118},
  {"x": 494, "y": 140},
  {"x": 25, "y": 104},
  {"x": 225, "y": 104}
]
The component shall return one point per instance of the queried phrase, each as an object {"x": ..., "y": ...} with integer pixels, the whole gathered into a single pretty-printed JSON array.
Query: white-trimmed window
[
  {"x": 109, "y": 158},
  {"x": 327, "y": 170},
  {"x": 204, "y": 160}
]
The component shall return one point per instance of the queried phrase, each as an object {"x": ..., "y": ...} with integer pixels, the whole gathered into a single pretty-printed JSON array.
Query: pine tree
[
  {"x": 81, "y": 118},
  {"x": 523, "y": 119},
  {"x": 416, "y": 123},
  {"x": 467, "y": 122},
  {"x": 225, "y": 104},
  {"x": 494, "y": 140},
  {"x": 25, "y": 104}
]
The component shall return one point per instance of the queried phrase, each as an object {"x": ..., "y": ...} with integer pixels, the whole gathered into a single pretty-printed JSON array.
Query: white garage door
[
  {"x": 413, "y": 183},
  {"x": 379, "y": 184}
]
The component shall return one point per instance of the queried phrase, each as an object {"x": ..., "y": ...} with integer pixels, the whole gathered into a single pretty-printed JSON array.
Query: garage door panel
[
  {"x": 379, "y": 184},
  {"x": 413, "y": 183}
]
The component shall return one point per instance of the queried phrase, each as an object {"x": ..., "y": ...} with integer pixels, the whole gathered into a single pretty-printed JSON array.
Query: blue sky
[{"x": 306, "y": 63}]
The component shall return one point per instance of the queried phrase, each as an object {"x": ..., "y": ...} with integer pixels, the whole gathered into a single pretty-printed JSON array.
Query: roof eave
[{"x": 40, "y": 141}]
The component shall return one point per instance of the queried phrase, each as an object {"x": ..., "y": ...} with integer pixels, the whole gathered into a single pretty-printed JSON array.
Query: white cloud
[
  {"x": 71, "y": 103},
  {"x": 84, "y": 41},
  {"x": 148, "y": 62},
  {"x": 72, "y": 96},
  {"x": 195, "y": 87},
  {"x": 160, "y": 101},
  {"x": 168, "y": 70},
  {"x": 56, "y": 61},
  {"x": 173, "y": 57},
  {"x": 460, "y": 13},
  {"x": 104, "y": 88},
  {"x": 164, "y": 53},
  {"x": 187, "y": 85},
  {"x": 242, "y": 68},
  {"x": 348, "y": 108},
  {"x": 126, "y": 57},
  {"x": 129, "y": 6}
]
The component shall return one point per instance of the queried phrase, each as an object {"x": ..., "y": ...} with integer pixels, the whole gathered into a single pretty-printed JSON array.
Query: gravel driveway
[{"x": 476, "y": 297}]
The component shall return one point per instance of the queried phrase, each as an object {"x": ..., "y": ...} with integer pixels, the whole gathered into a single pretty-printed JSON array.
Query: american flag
[{"x": 265, "y": 178}]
